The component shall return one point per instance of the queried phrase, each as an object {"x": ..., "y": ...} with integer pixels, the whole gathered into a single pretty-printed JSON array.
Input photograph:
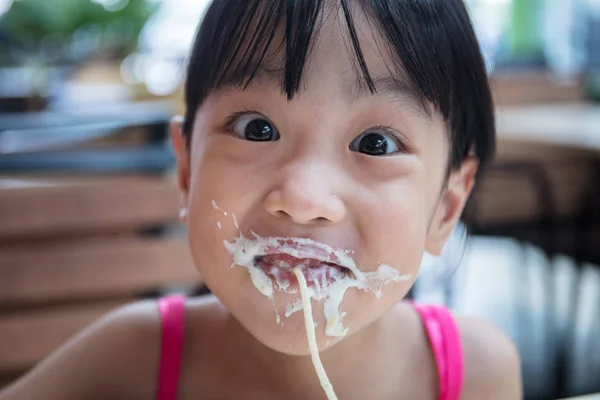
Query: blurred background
[{"x": 88, "y": 201}]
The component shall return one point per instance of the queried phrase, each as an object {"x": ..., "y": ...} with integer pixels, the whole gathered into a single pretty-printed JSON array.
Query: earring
[
  {"x": 183, "y": 214},
  {"x": 183, "y": 209}
]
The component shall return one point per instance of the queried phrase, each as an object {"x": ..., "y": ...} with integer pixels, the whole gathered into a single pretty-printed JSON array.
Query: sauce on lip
[
  {"x": 244, "y": 252},
  {"x": 316, "y": 272}
]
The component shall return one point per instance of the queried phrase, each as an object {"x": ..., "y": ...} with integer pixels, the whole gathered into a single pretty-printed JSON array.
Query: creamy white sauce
[
  {"x": 216, "y": 207},
  {"x": 294, "y": 306},
  {"x": 244, "y": 251}
]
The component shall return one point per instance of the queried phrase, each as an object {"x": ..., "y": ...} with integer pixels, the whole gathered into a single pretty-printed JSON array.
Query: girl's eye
[
  {"x": 254, "y": 127},
  {"x": 376, "y": 144}
]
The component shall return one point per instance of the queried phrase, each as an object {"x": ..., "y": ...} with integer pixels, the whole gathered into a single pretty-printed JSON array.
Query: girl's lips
[
  {"x": 317, "y": 272},
  {"x": 314, "y": 250},
  {"x": 287, "y": 261}
]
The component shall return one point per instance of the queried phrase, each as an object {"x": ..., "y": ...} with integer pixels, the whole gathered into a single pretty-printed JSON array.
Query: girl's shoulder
[
  {"x": 491, "y": 361},
  {"x": 115, "y": 357},
  {"x": 488, "y": 359}
]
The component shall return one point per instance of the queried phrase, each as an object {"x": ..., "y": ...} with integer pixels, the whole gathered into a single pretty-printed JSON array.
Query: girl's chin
[
  {"x": 293, "y": 344},
  {"x": 288, "y": 336}
]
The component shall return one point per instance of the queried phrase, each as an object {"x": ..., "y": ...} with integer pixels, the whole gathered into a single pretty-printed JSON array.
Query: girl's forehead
[
  {"x": 332, "y": 61},
  {"x": 333, "y": 50}
]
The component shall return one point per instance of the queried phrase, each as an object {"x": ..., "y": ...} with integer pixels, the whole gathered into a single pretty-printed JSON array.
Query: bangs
[
  {"x": 429, "y": 44},
  {"x": 239, "y": 39}
]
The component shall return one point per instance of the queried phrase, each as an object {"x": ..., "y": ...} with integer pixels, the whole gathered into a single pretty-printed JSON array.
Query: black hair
[{"x": 431, "y": 42}]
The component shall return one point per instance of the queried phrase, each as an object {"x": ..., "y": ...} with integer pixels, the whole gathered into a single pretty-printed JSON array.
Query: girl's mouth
[
  {"x": 328, "y": 272},
  {"x": 318, "y": 273}
]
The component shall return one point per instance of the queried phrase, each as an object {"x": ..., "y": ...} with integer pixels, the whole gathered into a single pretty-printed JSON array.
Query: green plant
[{"x": 74, "y": 30}]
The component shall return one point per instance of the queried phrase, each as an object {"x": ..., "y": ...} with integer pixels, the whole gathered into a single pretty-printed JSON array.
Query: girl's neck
[{"x": 360, "y": 357}]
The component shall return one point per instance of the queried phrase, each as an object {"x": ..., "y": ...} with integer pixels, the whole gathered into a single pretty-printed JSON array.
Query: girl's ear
[
  {"x": 450, "y": 206},
  {"x": 183, "y": 163}
]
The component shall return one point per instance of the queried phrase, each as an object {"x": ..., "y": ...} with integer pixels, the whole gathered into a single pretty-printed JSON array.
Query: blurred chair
[
  {"x": 540, "y": 204},
  {"x": 72, "y": 249},
  {"x": 545, "y": 194},
  {"x": 507, "y": 282},
  {"x": 84, "y": 228}
]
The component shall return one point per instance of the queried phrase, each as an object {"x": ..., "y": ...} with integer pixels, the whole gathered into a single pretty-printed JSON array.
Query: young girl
[{"x": 327, "y": 145}]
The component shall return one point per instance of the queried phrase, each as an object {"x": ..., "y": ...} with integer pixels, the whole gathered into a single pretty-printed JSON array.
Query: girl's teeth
[{"x": 282, "y": 264}]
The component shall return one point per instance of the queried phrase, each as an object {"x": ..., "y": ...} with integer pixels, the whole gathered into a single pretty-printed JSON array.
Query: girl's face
[{"x": 336, "y": 164}]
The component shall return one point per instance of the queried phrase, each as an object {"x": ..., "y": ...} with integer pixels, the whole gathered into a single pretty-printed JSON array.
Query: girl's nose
[{"x": 305, "y": 196}]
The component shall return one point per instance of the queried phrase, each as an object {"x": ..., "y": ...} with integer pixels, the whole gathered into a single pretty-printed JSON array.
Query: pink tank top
[
  {"x": 446, "y": 346},
  {"x": 439, "y": 325}
]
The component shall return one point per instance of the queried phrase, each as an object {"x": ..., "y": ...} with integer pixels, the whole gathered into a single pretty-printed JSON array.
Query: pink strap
[
  {"x": 447, "y": 349},
  {"x": 172, "y": 318}
]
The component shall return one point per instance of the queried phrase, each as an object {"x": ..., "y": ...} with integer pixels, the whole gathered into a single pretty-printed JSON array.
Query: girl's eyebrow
[
  {"x": 393, "y": 88},
  {"x": 249, "y": 73},
  {"x": 266, "y": 74}
]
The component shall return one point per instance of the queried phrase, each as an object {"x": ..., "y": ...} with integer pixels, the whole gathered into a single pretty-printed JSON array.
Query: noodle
[{"x": 310, "y": 336}]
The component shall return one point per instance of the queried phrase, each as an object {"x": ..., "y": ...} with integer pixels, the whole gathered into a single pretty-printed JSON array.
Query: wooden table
[
  {"x": 557, "y": 145},
  {"x": 571, "y": 125},
  {"x": 36, "y": 206}
]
